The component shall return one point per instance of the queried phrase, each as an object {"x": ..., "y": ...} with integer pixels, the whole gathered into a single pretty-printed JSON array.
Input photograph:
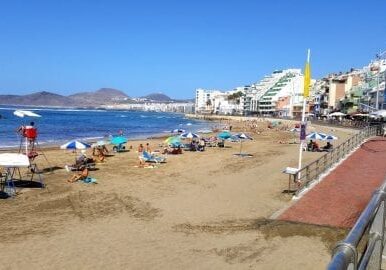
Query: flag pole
[{"x": 305, "y": 95}]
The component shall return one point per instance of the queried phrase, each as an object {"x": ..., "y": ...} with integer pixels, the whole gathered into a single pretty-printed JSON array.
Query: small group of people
[
  {"x": 173, "y": 151},
  {"x": 140, "y": 150},
  {"x": 100, "y": 152},
  {"x": 197, "y": 145},
  {"x": 313, "y": 146}
]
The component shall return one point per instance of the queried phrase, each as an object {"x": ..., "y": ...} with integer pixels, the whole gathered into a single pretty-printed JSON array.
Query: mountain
[
  {"x": 37, "y": 99},
  {"x": 101, "y": 97},
  {"x": 158, "y": 97}
]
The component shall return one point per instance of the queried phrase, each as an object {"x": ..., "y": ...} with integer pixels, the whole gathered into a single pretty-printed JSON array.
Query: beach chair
[
  {"x": 88, "y": 162},
  {"x": 147, "y": 157}
]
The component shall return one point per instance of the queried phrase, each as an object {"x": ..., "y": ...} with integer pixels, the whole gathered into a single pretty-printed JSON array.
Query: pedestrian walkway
[{"x": 341, "y": 197}]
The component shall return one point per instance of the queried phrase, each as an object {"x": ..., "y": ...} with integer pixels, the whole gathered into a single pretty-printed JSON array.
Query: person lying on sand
[{"x": 79, "y": 175}]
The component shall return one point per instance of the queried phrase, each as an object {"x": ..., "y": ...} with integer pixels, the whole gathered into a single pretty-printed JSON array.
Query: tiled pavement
[{"x": 340, "y": 198}]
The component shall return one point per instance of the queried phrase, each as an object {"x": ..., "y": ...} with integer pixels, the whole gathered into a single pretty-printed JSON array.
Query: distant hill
[
  {"x": 100, "y": 97},
  {"x": 37, "y": 99},
  {"x": 158, "y": 97},
  {"x": 103, "y": 96}
]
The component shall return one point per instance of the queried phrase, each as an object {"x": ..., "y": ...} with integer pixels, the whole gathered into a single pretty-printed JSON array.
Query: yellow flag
[{"x": 307, "y": 79}]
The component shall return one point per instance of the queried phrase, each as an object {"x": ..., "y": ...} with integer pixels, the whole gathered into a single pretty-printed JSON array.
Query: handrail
[
  {"x": 313, "y": 170},
  {"x": 372, "y": 220}
]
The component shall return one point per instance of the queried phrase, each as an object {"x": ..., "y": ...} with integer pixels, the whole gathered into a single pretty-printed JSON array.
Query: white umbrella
[
  {"x": 337, "y": 114},
  {"x": 100, "y": 143},
  {"x": 380, "y": 113},
  {"x": 22, "y": 113},
  {"x": 178, "y": 130}
]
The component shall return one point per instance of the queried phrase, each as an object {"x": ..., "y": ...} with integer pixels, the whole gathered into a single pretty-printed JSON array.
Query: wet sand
[{"x": 199, "y": 210}]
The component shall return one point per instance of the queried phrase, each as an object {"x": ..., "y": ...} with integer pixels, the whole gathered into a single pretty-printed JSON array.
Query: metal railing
[
  {"x": 363, "y": 246},
  {"x": 313, "y": 170}
]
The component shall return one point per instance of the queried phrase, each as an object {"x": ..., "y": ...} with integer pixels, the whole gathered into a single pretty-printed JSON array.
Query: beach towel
[{"x": 89, "y": 180}]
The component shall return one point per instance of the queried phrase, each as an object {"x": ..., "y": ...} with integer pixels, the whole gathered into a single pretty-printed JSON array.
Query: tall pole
[
  {"x": 303, "y": 121},
  {"x": 377, "y": 93},
  {"x": 291, "y": 115}
]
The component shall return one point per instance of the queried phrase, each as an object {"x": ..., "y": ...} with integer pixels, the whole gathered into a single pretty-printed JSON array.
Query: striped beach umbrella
[
  {"x": 73, "y": 145},
  {"x": 315, "y": 136},
  {"x": 242, "y": 137},
  {"x": 329, "y": 137},
  {"x": 189, "y": 135}
]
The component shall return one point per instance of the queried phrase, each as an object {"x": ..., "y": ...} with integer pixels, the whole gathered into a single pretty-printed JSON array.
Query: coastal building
[
  {"x": 275, "y": 95},
  {"x": 218, "y": 102}
]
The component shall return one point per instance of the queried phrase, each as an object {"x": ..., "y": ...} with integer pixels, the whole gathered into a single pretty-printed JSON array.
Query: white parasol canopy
[
  {"x": 337, "y": 114},
  {"x": 14, "y": 160},
  {"x": 22, "y": 113}
]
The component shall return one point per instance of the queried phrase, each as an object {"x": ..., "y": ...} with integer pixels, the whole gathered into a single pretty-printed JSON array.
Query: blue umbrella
[
  {"x": 118, "y": 140},
  {"x": 75, "y": 145},
  {"x": 224, "y": 135},
  {"x": 189, "y": 135}
]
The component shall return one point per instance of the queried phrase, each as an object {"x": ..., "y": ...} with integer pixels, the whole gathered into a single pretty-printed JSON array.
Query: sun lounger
[
  {"x": 89, "y": 163},
  {"x": 147, "y": 157}
]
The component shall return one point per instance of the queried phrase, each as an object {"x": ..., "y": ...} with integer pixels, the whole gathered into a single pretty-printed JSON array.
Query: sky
[{"x": 174, "y": 47}]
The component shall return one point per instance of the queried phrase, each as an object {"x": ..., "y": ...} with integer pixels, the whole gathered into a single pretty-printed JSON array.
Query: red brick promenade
[{"x": 342, "y": 195}]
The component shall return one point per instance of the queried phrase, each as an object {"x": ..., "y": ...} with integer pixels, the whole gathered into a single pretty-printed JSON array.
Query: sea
[{"x": 60, "y": 125}]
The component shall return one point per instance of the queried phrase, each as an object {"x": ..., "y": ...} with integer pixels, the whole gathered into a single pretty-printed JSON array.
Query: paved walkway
[{"x": 340, "y": 198}]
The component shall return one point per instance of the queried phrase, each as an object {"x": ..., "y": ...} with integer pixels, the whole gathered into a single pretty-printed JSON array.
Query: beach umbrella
[
  {"x": 100, "y": 143},
  {"x": 380, "y": 113},
  {"x": 73, "y": 145},
  {"x": 315, "y": 136},
  {"x": 178, "y": 130},
  {"x": 189, "y": 135},
  {"x": 117, "y": 140},
  {"x": 329, "y": 137},
  {"x": 174, "y": 140},
  {"x": 22, "y": 113},
  {"x": 242, "y": 137},
  {"x": 295, "y": 129},
  {"x": 337, "y": 114},
  {"x": 224, "y": 135}
]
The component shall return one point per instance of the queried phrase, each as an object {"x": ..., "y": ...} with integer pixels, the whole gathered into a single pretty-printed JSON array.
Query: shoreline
[{"x": 213, "y": 205}]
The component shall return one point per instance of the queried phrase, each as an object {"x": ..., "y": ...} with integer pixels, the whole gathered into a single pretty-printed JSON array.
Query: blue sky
[{"x": 174, "y": 47}]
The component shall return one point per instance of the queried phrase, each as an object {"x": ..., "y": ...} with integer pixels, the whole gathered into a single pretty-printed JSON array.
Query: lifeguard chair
[{"x": 29, "y": 134}]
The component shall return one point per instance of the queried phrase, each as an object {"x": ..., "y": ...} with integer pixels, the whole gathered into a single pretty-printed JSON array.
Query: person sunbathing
[
  {"x": 99, "y": 154},
  {"x": 327, "y": 147},
  {"x": 79, "y": 175}
]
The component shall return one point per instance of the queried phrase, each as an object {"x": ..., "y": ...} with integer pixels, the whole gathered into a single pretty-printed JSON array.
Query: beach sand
[{"x": 200, "y": 210}]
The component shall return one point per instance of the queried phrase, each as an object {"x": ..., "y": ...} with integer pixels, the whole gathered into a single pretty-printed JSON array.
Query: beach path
[{"x": 340, "y": 198}]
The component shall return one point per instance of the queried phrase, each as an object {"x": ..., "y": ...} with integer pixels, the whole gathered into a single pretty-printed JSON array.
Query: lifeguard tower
[{"x": 28, "y": 138}]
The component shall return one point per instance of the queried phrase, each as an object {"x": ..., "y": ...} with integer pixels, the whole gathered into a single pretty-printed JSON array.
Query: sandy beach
[{"x": 199, "y": 210}]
